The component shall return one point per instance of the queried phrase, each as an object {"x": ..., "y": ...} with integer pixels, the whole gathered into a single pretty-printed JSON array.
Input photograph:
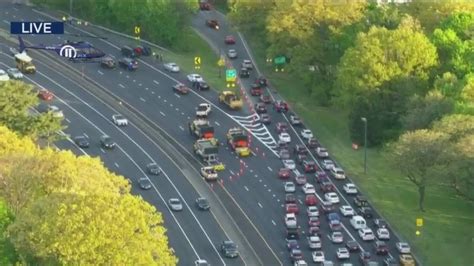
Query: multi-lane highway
[{"x": 247, "y": 204}]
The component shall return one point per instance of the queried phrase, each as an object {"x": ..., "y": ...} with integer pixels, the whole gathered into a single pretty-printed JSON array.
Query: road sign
[
  {"x": 197, "y": 60},
  {"x": 221, "y": 62},
  {"x": 279, "y": 60},
  {"x": 68, "y": 51},
  {"x": 230, "y": 75},
  {"x": 419, "y": 222},
  {"x": 137, "y": 30}
]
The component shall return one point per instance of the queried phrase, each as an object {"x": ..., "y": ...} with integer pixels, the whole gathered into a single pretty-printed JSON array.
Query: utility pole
[
  {"x": 70, "y": 8},
  {"x": 365, "y": 143}
]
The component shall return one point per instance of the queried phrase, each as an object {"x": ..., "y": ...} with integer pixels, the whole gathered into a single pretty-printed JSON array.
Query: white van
[{"x": 358, "y": 222}]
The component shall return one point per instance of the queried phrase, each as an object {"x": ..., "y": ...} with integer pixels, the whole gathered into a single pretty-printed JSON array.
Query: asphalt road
[{"x": 251, "y": 182}]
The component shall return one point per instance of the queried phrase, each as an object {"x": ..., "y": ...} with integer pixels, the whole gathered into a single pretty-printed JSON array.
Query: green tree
[
  {"x": 456, "y": 126},
  {"x": 462, "y": 181},
  {"x": 239, "y": 15},
  {"x": 420, "y": 155},
  {"x": 74, "y": 229},
  {"x": 422, "y": 111},
  {"x": 8, "y": 255},
  {"x": 381, "y": 56}
]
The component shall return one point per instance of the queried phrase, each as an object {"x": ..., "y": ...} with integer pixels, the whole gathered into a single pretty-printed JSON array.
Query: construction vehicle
[
  {"x": 239, "y": 141},
  {"x": 206, "y": 150},
  {"x": 24, "y": 63},
  {"x": 231, "y": 99},
  {"x": 201, "y": 128}
]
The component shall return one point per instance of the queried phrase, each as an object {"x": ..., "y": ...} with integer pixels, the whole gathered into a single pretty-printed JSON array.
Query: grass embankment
[
  {"x": 7, "y": 251},
  {"x": 447, "y": 235}
]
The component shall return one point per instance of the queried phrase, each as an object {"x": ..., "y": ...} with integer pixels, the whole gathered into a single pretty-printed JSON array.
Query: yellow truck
[
  {"x": 24, "y": 63},
  {"x": 239, "y": 141},
  {"x": 231, "y": 99}
]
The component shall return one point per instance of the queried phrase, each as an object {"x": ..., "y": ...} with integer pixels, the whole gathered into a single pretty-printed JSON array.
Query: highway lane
[
  {"x": 241, "y": 57},
  {"x": 217, "y": 38},
  {"x": 213, "y": 228}
]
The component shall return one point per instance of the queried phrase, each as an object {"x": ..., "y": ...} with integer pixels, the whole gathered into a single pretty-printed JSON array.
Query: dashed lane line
[
  {"x": 156, "y": 82},
  {"x": 100, "y": 72},
  {"x": 121, "y": 86},
  {"x": 217, "y": 123},
  {"x": 163, "y": 114},
  {"x": 181, "y": 127},
  {"x": 141, "y": 99},
  {"x": 269, "y": 169},
  {"x": 246, "y": 188},
  {"x": 116, "y": 165},
  {"x": 273, "y": 222},
  {"x": 260, "y": 205}
]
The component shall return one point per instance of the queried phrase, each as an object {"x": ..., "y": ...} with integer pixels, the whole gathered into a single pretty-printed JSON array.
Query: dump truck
[
  {"x": 201, "y": 128},
  {"x": 206, "y": 150},
  {"x": 231, "y": 99},
  {"x": 239, "y": 141},
  {"x": 24, "y": 63}
]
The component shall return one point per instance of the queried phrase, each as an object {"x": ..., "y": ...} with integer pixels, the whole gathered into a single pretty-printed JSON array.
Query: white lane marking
[
  {"x": 301, "y": 202},
  {"x": 217, "y": 123},
  {"x": 146, "y": 88},
  {"x": 177, "y": 95},
  {"x": 269, "y": 169},
  {"x": 246, "y": 188},
  {"x": 6, "y": 22},
  {"x": 134, "y": 80},
  {"x": 181, "y": 127},
  {"x": 273, "y": 222},
  {"x": 163, "y": 114},
  {"x": 127, "y": 76},
  {"x": 122, "y": 86},
  {"x": 139, "y": 84},
  {"x": 256, "y": 176},
  {"x": 85, "y": 135},
  {"x": 176, "y": 109},
  {"x": 231, "y": 172},
  {"x": 165, "y": 101},
  {"x": 116, "y": 165},
  {"x": 156, "y": 82},
  {"x": 182, "y": 113},
  {"x": 274, "y": 195},
  {"x": 100, "y": 72},
  {"x": 141, "y": 99},
  {"x": 260, "y": 180},
  {"x": 171, "y": 105},
  {"x": 264, "y": 185},
  {"x": 251, "y": 171},
  {"x": 260, "y": 205},
  {"x": 102, "y": 150},
  {"x": 120, "y": 72},
  {"x": 67, "y": 120},
  {"x": 152, "y": 92}
]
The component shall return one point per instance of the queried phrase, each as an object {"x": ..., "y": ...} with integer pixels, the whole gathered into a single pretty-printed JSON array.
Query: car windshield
[{"x": 174, "y": 201}]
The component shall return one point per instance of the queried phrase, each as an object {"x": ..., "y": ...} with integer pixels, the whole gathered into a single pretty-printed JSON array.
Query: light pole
[{"x": 365, "y": 143}]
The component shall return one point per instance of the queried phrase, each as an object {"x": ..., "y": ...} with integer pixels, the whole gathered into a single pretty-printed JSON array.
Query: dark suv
[
  {"x": 128, "y": 63},
  {"x": 128, "y": 51},
  {"x": 229, "y": 249}
]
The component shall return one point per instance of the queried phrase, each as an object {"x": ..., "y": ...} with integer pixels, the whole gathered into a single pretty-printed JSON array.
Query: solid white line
[
  {"x": 163, "y": 114},
  {"x": 122, "y": 86},
  {"x": 269, "y": 169},
  {"x": 259, "y": 204},
  {"x": 246, "y": 188},
  {"x": 156, "y": 82},
  {"x": 141, "y": 99},
  {"x": 100, "y": 72},
  {"x": 116, "y": 165}
]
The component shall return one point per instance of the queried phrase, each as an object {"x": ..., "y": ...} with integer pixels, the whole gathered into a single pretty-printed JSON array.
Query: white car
[
  {"x": 366, "y": 234},
  {"x": 4, "y": 76},
  {"x": 55, "y": 111},
  {"x": 232, "y": 53},
  {"x": 306, "y": 134},
  {"x": 322, "y": 152},
  {"x": 201, "y": 262},
  {"x": 332, "y": 197},
  {"x": 119, "y": 120},
  {"x": 208, "y": 172},
  {"x": 171, "y": 67},
  {"x": 312, "y": 211},
  {"x": 314, "y": 242},
  {"x": 195, "y": 78},
  {"x": 284, "y": 137},
  {"x": 337, "y": 237},
  {"x": 347, "y": 210},
  {"x": 318, "y": 256},
  {"x": 175, "y": 204},
  {"x": 350, "y": 189},
  {"x": 290, "y": 164},
  {"x": 290, "y": 220},
  {"x": 14, "y": 73},
  {"x": 338, "y": 173},
  {"x": 403, "y": 247},
  {"x": 342, "y": 253},
  {"x": 203, "y": 110},
  {"x": 327, "y": 164},
  {"x": 308, "y": 189},
  {"x": 383, "y": 234},
  {"x": 290, "y": 187}
]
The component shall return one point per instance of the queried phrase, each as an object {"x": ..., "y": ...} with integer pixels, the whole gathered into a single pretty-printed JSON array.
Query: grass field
[
  {"x": 448, "y": 232},
  {"x": 7, "y": 252}
]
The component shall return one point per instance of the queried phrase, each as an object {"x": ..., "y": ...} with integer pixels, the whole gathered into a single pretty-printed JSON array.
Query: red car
[
  {"x": 292, "y": 208},
  {"x": 281, "y": 127},
  {"x": 309, "y": 166},
  {"x": 180, "y": 89},
  {"x": 256, "y": 90},
  {"x": 311, "y": 200},
  {"x": 265, "y": 98},
  {"x": 229, "y": 39},
  {"x": 290, "y": 198},
  {"x": 45, "y": 95},
  {"x": 313, "y": 221},
  {"x": 281, "y": 106},
  {"x": 284, "y": 173},
  {"x": 300, "y": 180}
]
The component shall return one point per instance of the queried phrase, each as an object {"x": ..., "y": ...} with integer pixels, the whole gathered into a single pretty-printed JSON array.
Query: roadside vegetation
[
  {"x": 47, "y": 195},
  {"x": 406, "y": 70}
]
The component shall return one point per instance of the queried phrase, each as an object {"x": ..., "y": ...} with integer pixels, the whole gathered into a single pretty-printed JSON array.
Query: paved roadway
[{"x": 251, "y": 182}]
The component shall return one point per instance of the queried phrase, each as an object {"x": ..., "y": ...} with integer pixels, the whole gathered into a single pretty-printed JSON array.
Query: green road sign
[
  {"x": 230, "y": 75},
  {"x": 279, "y": 60}
]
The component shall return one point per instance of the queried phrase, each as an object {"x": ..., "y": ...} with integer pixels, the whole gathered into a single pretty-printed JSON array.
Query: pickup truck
[{"x": 203, "y": 110}]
